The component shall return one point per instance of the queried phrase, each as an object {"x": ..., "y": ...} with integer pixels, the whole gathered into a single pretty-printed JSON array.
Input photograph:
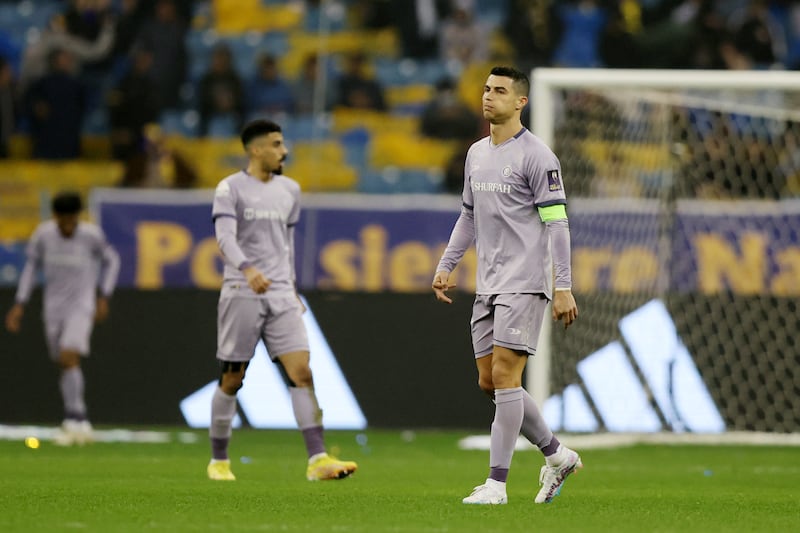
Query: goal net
[{"x": 683, "y": 192}]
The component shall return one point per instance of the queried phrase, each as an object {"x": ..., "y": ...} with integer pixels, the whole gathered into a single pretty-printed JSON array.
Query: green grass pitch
[{"x": 405, "y": 483}]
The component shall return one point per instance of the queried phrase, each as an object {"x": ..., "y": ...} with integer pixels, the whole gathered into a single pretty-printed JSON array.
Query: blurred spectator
[
  {"x": 447, "y": 117},
  {"x": 617, "y": 46},
  {"x": 129, "y": 21},
  {"x": 583, "y": 21},
  {"x": 758, "y": 35},
  {"x": 56, "y": 105},
  {"x": 85, "y": 18},
  {"x": 56, "y": 37},
  {"x": 267, "y": 92},
  {"x": 418, "y": 24},
  {"x": 305, "y": 87},
  {"x": 157, "y": 166},
  {"x": 357, "y": 89},
  {"x": 534, "y": 30},
  {"x": 8, "y": 105},
  {"x": 372, "y": 14},
  {"x": 220, "y": 93},
  {"x": 462, "y": 39},
  {"x": 164, "y": 35},
  {"x": 131, "y": 104}
]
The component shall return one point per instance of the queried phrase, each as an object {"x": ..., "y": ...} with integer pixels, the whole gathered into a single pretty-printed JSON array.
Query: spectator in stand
[
  {"x": 85, "y": 18},
  {"x": 534, "y": 30},
  {"x": 357, "y": 89},
  {"x": 583, "y": 22},
  {"x": 156, "y": 165},
  {"x": 56, "y": 37},
  {"x": 267, "y": 92},
  {"x": 133, "y": 103},
  {"x": 220, "y": 93},
  {"x": 56, "y": 105},
  {"x": 447, "y": 117},
  {"x": 305, "y": 87},
  {"x": 8, "y": 105},
  {"x": 418, "y": 24},
  {"x": 758, "y": 35},
  {"x": 462, "y": 39},
  {"x": 165, "y": 34}
]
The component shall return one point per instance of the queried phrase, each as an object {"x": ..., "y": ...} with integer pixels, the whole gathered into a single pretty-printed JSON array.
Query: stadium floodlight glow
[
  {"x": 666, "y": 364},
  {"x": 266, "y": 403},
  {"x": 617, "y": 392}
]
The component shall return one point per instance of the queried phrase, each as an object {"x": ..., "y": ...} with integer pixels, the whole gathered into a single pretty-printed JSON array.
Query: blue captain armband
[{"x": 552, "y": 212}]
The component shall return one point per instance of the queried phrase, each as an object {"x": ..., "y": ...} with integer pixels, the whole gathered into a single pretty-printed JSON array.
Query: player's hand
[
  {"x": 302, "y": 305},
  {"x": 257, "y": 281},
  {"x": 101, "y": 309},
  {"x": 440, "y": 286},
  {"x": 564, "y": 307},
  {"x": 14, "y": 318}
]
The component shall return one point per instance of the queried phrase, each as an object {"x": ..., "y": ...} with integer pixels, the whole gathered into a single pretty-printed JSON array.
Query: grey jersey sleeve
[
  {"x": 33, "y": 261},
  {"x": 109, "y": 259},
  {"x": 460, "y": 240},
  {"x": 225, "y": 229},
  {"x": 560, "y": 240}
]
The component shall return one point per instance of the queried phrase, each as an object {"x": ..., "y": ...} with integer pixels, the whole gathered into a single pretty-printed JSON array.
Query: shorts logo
[
  {"x": 553, "y": 180},
  {"x": 513, "y": 331},
  {"x": 506, "y": 171}
]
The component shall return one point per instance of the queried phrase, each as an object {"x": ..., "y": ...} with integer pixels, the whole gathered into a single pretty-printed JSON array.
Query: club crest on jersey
[
  {"x": 553, "y": 180},
  {"x": 506, "y": 171}
]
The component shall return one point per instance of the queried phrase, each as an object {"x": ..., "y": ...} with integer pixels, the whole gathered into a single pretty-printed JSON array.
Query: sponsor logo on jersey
[
  {"x": 553, "y": 180},
  {"x": 251, "y": 213},
  {"x": 482, "y": 186}
]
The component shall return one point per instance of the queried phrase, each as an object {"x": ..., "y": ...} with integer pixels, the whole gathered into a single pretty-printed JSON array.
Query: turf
[{"x": 406, "y": 483}]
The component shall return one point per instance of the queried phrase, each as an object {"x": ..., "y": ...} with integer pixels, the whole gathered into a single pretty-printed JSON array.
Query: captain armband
[{"x": 552, "y": 212}]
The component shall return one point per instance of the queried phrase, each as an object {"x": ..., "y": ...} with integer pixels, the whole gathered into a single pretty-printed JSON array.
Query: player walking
[
  {"x": 513, "y": 208},
  {"x": 254, "y": 214},
  {"x": 74, "y": 258}
]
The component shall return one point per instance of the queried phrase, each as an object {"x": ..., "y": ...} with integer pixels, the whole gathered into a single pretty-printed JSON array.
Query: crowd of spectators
[{"x": 130, "y": 58}]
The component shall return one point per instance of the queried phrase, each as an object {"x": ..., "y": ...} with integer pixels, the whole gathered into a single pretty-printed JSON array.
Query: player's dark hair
[
  {"x": 67, "y": 203},
  {"x": 258, "y": 128},
  {"x": 521, "y": 81}
]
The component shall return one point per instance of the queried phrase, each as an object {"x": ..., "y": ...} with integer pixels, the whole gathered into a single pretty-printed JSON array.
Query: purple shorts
[
  {"x": 277, "y": 319},
  {"x": 509, "y": 320}
]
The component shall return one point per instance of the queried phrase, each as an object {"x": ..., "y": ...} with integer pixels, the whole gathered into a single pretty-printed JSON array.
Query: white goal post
[{"x": 680, "y": 100}]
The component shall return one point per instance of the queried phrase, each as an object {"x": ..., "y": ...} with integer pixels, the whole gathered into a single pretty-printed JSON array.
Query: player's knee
[
  {"x": 301, "y": 376},
  {"x": 487, "y": 385},
  {"x": 69, "y": 359}
]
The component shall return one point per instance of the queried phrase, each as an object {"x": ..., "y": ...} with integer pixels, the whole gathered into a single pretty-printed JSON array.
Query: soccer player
[
  {"x": 75, "y": 259},
  {"x": 254, "y": 214},
  {"x": 513, "y": 207}
]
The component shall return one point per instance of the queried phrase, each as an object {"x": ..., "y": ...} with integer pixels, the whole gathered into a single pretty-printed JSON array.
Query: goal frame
[{"x": 544, "y": 84}]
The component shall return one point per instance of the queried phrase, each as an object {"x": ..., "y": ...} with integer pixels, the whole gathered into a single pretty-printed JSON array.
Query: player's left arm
[
  {"x": 109, "y": 267},
  {"x": 550, "y": 200},
  {"x": 294, "y": 218}
]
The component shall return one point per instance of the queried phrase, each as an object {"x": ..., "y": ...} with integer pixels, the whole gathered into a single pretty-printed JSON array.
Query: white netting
[{"x": 682, "y": 196}]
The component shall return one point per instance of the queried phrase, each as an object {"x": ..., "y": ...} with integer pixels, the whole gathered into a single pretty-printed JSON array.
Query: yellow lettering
[
  {"x": 635, "y": 269},
  {"x": 787, "y": 281},
  {"x": 204, "y": 264},
  {"x": 718, "y": 262},
  {"x": 373, "y": 254},
  {"x": 588, "y": 262},
  {"x": 337, "y": 260},
  {"x": 159, "y": 244},
  {"x": 410, "y": 267}
]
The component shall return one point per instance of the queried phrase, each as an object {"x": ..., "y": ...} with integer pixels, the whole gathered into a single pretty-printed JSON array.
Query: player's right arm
[
  {"x": 225, "y": 229},
  {"x": 26, "y": 283},
  {"x": 461, "y": 239}
]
